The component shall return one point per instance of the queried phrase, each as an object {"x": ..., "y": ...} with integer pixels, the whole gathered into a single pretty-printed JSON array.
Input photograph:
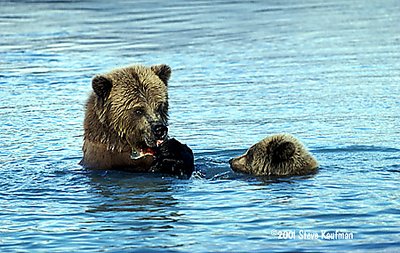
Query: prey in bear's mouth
[{"x": 145, "y": 150}]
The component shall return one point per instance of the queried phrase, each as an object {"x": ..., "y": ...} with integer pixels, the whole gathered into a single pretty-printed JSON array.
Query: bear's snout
[
  {"x": 160, "y": 131},
  {"x": 238, "y": 164}
]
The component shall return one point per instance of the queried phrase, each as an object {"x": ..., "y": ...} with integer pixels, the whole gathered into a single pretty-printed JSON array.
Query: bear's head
[
  {"x": 132, "y": 103},
  {"x": 276, "y": 155}
]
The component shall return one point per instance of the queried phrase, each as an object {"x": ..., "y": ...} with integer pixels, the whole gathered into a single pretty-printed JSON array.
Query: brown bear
[
  {"x": 276, "y": 155},
  {"x": 126, "y": 118}
]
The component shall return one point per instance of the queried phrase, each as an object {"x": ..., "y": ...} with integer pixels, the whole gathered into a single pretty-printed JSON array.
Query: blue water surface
[{"x": 325, "y": 71}]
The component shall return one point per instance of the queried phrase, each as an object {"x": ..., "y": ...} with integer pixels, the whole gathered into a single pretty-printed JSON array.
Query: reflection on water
[
  {"x": 325, "y": 71},
  {"x": 150, "y": 194}
]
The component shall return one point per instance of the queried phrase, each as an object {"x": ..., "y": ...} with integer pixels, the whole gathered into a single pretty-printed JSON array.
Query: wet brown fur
[
  {"x": 276, "y": 155},
  {"x": 119, "y": 113}
]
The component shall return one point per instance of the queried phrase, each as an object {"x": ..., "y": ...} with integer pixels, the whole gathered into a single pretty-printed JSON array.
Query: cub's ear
[
  {"x": 283, "y": 152},
  {"x": 101, "y": 86},
  {"x": 162, "y": 71}
]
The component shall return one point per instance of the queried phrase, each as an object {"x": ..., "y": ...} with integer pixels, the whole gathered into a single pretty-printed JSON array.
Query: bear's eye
[
  {"x": 250, "y": 154},
  {"x": 249, "y": 157},
  {"x": 138, "y": 111},
  {"x": 160, "y": 108}
]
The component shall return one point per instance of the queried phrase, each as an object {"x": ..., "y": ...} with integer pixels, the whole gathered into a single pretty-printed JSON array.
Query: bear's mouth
[{"x": 145, "y": 150}]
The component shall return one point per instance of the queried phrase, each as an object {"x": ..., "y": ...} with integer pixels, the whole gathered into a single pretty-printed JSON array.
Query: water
[{"x": 325, "y": 71}]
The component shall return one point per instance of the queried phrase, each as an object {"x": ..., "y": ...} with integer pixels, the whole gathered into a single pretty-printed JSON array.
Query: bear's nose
[{"x": 160, "y": 131}]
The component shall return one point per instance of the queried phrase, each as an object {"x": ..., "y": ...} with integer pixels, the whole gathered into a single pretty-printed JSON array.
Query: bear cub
[
  {"x": 276, "y": 155},
  {"x": 126, "y": 121}
]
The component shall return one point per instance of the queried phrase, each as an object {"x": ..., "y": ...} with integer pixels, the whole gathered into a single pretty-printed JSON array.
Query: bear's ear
[
  {"x": 283, "y": 152},
  {"x": 162, "y": 71},
  {"x": 101, "y": 86}
]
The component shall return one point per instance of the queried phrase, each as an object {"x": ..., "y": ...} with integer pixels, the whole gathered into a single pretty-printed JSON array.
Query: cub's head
[
  {"x": 276, "y": 155},
  {"x": 132, "y": 102}
]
